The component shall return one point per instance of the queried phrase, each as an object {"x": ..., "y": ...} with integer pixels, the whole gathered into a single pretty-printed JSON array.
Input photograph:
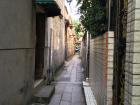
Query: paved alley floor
[{"x": 68, "y": 89}]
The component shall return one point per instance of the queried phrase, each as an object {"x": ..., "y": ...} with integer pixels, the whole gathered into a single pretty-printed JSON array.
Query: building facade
[
  {"x": 132, "y": 61},
  {"x": 17, "y": 52},
  {"x": 32, "y": 43}
]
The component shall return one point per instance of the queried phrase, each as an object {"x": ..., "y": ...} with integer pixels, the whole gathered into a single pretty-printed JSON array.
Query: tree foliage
[
  {"x": 93, "y": 16},
  {"x": 79, "y": 29}
]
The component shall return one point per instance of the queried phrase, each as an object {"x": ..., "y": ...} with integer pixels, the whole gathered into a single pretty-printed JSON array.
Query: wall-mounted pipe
[{"x": 109, "y": 14}]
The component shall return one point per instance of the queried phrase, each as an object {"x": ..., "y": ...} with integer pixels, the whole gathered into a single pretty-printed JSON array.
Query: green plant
[
  {"x": 79, "y": 29},
  {"x": 93, "y": 17}
]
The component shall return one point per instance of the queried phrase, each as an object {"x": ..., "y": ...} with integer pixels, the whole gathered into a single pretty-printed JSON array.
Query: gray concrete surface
[
  {"x": 68, "y": 90},
  {"x": 16, "y": 24},
  {"x": 17, "y": 52},
  {"x": 44, "y": 95}
]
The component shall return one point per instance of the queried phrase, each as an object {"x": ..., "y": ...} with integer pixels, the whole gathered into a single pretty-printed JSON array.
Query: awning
[{"x": 51, "y": 7}]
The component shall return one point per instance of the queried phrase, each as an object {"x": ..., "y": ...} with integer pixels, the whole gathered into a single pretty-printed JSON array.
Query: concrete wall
[
  {"x": 101, "y": 67},
  {"x": 70, "y": 42},
  {"x": 54, "y": 41},
  {"x": 47, "y": 47},
  {"x": 132, "y": 66},
  {"x": 58, "y": 42},
  {"x": 16, "y": 52}
]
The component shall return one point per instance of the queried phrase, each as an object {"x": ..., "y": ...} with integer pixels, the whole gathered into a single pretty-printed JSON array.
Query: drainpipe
[
  {"x": 87, "y": 56},
  {"x": 49, "y": 70},
  {"x": 109, "y": 14}
]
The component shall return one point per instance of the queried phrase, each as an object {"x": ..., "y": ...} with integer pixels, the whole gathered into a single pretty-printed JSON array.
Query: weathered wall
[
  {"x": 16, "y": 52},
  {"x": 70, "y": 42},
  {"x": 132, "y": 66},
  {"x": 101, "y": 67},
  {"x": 47, "y": 48},
  {"x": 55, "y": 43},
  {"x": 58, "y": 42}
]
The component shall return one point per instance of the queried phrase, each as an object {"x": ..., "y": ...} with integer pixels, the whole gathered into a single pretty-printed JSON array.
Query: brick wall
[
  {"x": 101, "y": 67},
  {"x": 132, "y": 66}
]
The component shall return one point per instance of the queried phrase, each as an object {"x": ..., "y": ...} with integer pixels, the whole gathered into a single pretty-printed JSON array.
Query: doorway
[{"x": 40, "y": 44}]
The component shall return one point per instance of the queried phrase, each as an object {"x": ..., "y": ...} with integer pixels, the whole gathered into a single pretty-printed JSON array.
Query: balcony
[{"x": 52, "y": 7}]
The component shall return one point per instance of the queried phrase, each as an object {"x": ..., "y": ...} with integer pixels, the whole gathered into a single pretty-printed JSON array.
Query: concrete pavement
[{"x": 68, "y": 84}]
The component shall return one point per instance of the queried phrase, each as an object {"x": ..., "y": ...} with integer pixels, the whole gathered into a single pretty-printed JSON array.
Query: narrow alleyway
[{"x": 68, "y": 89}]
